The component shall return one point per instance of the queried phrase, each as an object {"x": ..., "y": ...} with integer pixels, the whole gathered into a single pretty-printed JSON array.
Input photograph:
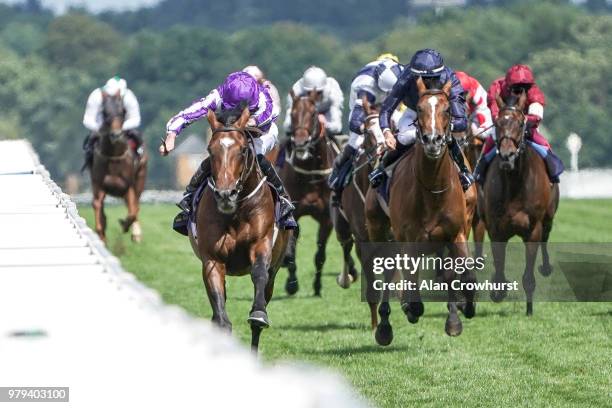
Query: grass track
[{"x": 562, "y": 356}]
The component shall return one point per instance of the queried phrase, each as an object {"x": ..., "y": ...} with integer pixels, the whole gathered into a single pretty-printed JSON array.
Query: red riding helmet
[{"x": 519, "y": 74}]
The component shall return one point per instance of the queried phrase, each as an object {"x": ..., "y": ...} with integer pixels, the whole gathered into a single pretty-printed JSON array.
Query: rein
[{"x": 315, "y": 136}]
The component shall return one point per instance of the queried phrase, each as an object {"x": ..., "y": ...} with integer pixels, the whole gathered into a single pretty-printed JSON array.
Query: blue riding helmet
[{"x": 427, "y": 63}]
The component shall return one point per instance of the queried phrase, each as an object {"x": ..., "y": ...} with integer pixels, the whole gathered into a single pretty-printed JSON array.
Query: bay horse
[
  {"x": 428, "y": 210},
  {"x": 236, "y": 231},
  {"x": 518, "y": 197},
  {"x": 115, "y": 170},
  {"x": 305, "y": 177},
  {"x": 349, "y": 218}
]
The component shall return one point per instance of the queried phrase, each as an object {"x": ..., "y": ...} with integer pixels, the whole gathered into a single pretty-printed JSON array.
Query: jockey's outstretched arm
[{"x": 193, "y": 113}]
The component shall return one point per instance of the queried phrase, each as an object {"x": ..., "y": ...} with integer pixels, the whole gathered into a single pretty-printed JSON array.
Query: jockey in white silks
[
  {"x": 93, "y": 119},
  {"x": 239, "y": 89}
]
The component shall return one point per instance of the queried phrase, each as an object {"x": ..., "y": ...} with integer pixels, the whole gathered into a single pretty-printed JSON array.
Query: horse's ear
[
  {"x": 212, "y": 120},
  {"x": 244, "y": 118},
  {"x": 522, "y": 101},
  {"x": 447, "y": 87},
  {"x": 421, "y": 86},
  {"x": 500, "y": 101}
]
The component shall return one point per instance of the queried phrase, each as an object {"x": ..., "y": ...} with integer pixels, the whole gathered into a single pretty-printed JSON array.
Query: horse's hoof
[
  {"x": 291, "y": 286},
  {"x": 344, "y": 281},
  {"x": 383, "y": 334},
  {"x": 259, "y": 318},
  {"x": 453, "y": 326},
  {"x": 125, "y": 225},
  {"x": 317, "y": 289},
  {"x": 468, "y": 309},
  {"x": 529, "y": 308},
  {"x": 498, "y": 295},
  {"x": 353, "y": 274},
  {"x": 137, "y": 239},
  {"x": 545, "y": 270},
  {"x": 413, "y": 311}
]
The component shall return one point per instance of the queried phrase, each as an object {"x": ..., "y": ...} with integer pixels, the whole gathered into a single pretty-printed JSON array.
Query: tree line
[{"x": 49, "y": 64}]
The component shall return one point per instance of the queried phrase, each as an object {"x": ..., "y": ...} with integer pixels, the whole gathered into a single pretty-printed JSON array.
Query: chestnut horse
[
  {"x": 115, "y": 170},
  {"x": 305, "y": 178},
  {"x": 427, "y": 210},
  {"x": 349, "y": 219},
  {"x": 236, "y": 231},
  {"x": 518, "y": 198}
]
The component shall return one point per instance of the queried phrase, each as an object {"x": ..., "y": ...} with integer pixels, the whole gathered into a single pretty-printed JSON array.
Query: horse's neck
[
  {"x": 111, "y": 149},
  {"x": 433, "y": 173},
  {"x": 515, "y": 181}
]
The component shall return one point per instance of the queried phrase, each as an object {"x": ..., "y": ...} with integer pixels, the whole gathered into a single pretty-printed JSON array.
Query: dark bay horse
[
  {"x": 518, "y": 197},
  {"x": 305, "y": 177},
  {"x": 236, "y": 231},
  {"x": 349, "y": 219},
  {"x": 115, "y": 170},
  {"x": 427, "y": 210}
]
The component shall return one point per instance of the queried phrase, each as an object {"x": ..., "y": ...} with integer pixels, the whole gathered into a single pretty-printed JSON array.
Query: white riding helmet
[
  {"x": 314, "y": 79},
  {"x": 388, "y": 74},
  {"x": 254, "y": 71},
  {"x": 114, "y": 85}
]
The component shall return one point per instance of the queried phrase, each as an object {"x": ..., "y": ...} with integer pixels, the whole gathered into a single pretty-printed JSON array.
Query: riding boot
[
  {"x": 378, "y": 175},
  {"x": 554, "y": 166},
  {"x": 88, "y": 148},
  {"x": 465, "y": 176},
  {"x": 286, "y": 207},
  {"x": 136, "y": 136},
  {"x": 181, "y": 221},
  {"x": 335, "y": 182}
]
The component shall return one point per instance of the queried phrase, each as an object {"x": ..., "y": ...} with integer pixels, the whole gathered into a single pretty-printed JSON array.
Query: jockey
[
  {"x": 258, "y": 74},
  {"x": 429, "y": 65},
  {"x": 519, "y": 79},
  {"x": 374, "y": 81},
  {"x": 93, "y": 118},
  {"x": 476, "y": 98},
  {"x": 237, "y": 88},
  {"x": 330, "y": 99}
]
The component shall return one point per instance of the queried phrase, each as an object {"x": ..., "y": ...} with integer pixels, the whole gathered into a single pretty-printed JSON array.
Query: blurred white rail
[{"x": 70, "y": 316}]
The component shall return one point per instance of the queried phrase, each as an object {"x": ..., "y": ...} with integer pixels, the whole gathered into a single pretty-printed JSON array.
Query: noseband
[
  {"x": 249, "y": 158},
  {"x": 419, "y": 129},
  {"x": 519, "y": 145}
]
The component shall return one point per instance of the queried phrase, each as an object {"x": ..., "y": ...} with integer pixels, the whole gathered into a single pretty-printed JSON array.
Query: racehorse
[
  {"x": 472, "y": 150},
  {"x": 115, "y": 170},
  {"x": 236, "y": 231},
  {"x": 427, "y": 210},
  {"x": 349, "y": 218},
  {"x": 305, "y": 178},
  {"x": 518, "y": 197}
]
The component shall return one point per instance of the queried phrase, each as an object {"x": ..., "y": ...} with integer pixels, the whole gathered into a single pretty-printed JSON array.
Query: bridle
[
  {"x": 519, "y": 145},
  {"x": 419, "y": 129},
  {"x": 249, "y": 158},
  {"x": 315, "y": 131}
]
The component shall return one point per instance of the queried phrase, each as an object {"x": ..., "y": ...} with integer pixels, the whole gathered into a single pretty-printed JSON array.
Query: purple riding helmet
[{"x": 238, "y": 87}]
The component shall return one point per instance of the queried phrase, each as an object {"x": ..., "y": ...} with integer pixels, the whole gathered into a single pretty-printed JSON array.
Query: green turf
[{"x": 561, "y": 356}]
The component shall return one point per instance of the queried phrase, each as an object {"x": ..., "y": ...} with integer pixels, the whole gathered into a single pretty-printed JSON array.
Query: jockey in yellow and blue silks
[{"x": 429, "y": 65}]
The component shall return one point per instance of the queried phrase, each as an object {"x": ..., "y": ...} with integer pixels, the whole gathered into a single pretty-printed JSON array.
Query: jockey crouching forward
[
  {"x": 94, "y": 117},
  {"x": 519, "y": 79},
  {"x": 476, "y": 104},
  {"x": 330, "y": 99},
  {"x": 238, "y": 88},
  {"x": 429, "y": 65},
  {"x": 374, "y": 81}
]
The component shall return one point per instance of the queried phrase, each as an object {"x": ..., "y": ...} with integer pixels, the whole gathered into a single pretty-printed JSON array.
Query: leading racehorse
[
  {"x": 116, "y": 170},
  {"x": 427, "y": 210},
  {"x": 305, "y": 177},
  {"x": 518, "y": 197},
  {"x": 236, "y": 231}
]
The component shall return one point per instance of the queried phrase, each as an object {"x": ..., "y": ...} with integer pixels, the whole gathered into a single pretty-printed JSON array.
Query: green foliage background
[{"x": 177, "y": 51}]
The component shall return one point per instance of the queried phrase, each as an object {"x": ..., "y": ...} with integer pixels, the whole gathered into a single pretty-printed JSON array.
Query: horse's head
[
  {"x": 510, "y": 129},
  {"x": 433, "y": 118},
  {"x": 113, "y": 114},
  {"x": 307, "y": 130},
  {"x": 231, "y": 158}
]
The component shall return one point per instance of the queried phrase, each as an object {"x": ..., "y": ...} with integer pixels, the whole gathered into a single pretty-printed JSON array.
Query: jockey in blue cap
[
  {"x": 239, "y": 89},
  {"x": 429, "y": 65}
]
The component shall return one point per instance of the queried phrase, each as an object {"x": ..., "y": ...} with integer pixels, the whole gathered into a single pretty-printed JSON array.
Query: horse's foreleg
[
  {"x": 213, "y": 274},
  {"x": 460, "y": 249},
  {"x": 132, "y": 206},
  {"x": 532, "y": 244},
  {"x": 291, "y": 286},
  {"x": 258, "y": 317},
  {"x": 325, "y": 227},
  {"x": 345, "y": 237},
  {"x": 99, "y": 216},
  {"x": 498, "y": 248},
  {"x": 479, "y": 232},
  {"x": 546, "y": 268}
]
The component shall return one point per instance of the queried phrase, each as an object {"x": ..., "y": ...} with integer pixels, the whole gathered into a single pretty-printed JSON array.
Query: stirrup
[
  {"x": 377, "y": 176},
  {"x": 180, "y": 223},
  {"x": 185, "y": 203}
]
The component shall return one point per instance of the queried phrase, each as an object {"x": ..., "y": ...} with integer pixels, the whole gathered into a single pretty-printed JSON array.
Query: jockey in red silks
[
  {"x": 476, "y": 104},
  {"x": 518, "y": 79}
]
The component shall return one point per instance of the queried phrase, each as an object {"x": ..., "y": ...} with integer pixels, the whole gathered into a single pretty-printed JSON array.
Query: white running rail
[{"x": 70, "y": 316}]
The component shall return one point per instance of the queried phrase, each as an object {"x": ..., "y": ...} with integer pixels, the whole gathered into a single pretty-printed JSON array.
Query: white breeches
[
  {"x": 266, "y": 142},
  {"x": 355, "y": 140},
  {"x": 406, "y": 128}
]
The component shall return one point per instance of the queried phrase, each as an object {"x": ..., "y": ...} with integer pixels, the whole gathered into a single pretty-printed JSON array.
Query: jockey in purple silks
[{"x": 239, "y": 89}]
